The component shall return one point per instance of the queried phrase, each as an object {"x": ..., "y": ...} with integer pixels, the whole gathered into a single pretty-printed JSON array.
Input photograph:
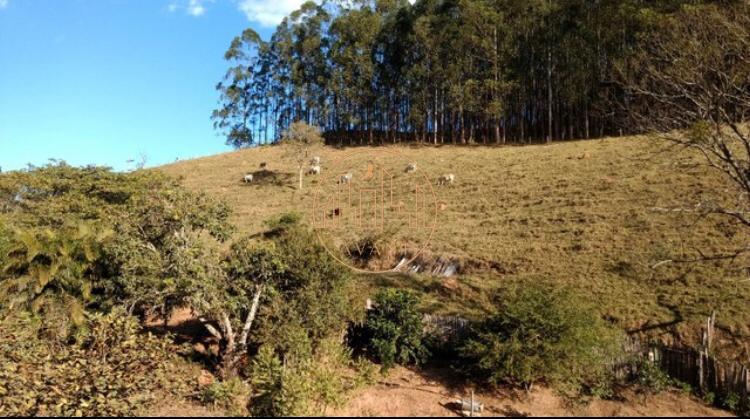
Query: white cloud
[
  {"x": 195, "y": 8},
  {"x": 268, "y": 12},
  {"x": 192, "y": 7},
  {"x": 3, "y": 4}
]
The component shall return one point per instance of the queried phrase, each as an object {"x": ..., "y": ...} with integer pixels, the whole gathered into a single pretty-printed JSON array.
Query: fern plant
[{"x": 46, "y": 269}]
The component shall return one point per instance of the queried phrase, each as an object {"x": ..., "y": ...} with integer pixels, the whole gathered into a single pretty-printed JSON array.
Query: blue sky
[{"x": 104, "y": 81}]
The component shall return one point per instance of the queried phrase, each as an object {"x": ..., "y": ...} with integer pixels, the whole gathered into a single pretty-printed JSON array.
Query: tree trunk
[
  {"x": 251, "y": 316},
  {"x": 228, "y": 365}
]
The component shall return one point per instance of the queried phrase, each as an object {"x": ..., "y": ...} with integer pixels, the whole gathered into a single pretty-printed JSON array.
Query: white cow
[
  {"x": 313, "y": 170},
  {"x": 446, "y": 179},
  {"x": 345, "y": 178},
  {"x": 248, "y": 178}
]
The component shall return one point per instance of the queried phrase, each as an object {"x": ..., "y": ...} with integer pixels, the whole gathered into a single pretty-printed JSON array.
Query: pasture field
[{"x": 615, "y": 219}]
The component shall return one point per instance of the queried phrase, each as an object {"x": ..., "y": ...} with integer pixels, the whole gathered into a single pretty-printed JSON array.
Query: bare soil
[{"x": 409, "y": 393}]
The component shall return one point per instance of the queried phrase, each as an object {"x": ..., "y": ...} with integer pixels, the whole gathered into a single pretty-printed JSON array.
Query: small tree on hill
[
  {"x": 393, "y": 329},
  {"x": 300, "y": 139}
]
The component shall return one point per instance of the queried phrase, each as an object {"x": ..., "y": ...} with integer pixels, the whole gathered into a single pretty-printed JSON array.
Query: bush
[
  {"x": 301, "y": 367},
  {"x": 115, "y": 370},
  {"x": 731, "y": 401},
  {"x": 312, "y": 295},
  {"x": 155, "y": 241},
  {"x": 392, "y": 332},
  {"x": 232, "y": 396},
  {"x": 541, "y": 334},
  {"x": 301, "y": 382},
  {"x": 650, "y": 377},
  {"x": 48, "y": 269}
]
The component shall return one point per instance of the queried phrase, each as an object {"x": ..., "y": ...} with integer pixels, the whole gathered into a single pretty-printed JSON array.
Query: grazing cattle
[
  {"x": 411, "y": 168},
  {"x": 263, "y": 165},
  {"x": 313, "y": 170},
  {"x": 315, "y": 161},
  {"x": 345, "y": 178},
  {"x": 446, "y": 179},
  {"x": 248, "y": 178}
]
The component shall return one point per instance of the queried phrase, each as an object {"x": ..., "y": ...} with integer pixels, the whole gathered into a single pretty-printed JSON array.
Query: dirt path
[{"x": 408, "y": 393}]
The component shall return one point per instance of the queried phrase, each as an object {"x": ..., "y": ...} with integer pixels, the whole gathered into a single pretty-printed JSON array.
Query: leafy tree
[
  {"x": 243, "y": 104},
  {"x": 314, "y": 294},
  {"x": 61, "y": 252},
  {"x": 251, "y": 268},
  {"x": 441, "y": 70}
]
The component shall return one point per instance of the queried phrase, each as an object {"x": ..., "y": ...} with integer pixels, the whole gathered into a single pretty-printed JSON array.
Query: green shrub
[
  {"x": 392, "y": 332},
  {"x": 92, "y": 239},
  {"x": 114, "y": 370},
  {"x": 301, "y": 368},
  {"x": 301, "y": 382},
  {"x": 732, "y": 402},
  {"x": 540, "y": 334},
  {"x": 650, "y": 377},
  {"x": 313, "y": 293},
  {"x": 47, "y": 269},
  {"x": 231, "y": 395},
  {"x": 709, "y": 398}
]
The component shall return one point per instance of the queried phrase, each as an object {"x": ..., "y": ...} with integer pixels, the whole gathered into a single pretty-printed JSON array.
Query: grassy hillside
[{"x": 595, "y": 215}]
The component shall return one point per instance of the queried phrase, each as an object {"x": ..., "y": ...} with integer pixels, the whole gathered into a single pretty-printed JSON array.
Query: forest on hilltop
[{"x": 445, "y": 71}]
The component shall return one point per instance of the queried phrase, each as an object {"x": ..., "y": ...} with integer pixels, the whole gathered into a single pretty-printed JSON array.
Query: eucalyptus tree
[
  {"x": 487, "y": 71},
  {"x": 242, "y": 92},
  {"x": 352, "y": 38}
]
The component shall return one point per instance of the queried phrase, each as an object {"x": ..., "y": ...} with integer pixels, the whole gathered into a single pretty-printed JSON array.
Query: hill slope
[{"x": 595, "y": 215}]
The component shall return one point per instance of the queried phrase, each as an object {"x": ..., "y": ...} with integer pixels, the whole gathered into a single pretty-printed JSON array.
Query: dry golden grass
[{"x": 594, "y": 215}]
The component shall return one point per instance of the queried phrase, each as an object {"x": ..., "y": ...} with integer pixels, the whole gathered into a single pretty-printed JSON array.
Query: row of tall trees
[{"x": 438, "y": 71}]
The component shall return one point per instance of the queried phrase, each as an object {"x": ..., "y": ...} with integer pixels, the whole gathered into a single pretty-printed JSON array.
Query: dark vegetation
[
  {"x": 113, "y": 370},
  {"x": 392, "y": 332}
]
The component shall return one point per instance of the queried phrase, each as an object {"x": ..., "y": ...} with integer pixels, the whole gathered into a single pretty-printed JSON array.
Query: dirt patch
[
  {"x": 182, "y": 408},
  {"x": 409, "y": 393},
  {"x": 185, "y": 327}
]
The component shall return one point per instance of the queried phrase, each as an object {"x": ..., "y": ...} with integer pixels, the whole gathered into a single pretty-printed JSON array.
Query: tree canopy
[{"x": 438, "y": 71}]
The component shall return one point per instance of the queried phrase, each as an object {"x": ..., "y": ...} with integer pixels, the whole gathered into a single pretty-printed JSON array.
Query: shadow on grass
[{"x": 272, "y": 178}]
